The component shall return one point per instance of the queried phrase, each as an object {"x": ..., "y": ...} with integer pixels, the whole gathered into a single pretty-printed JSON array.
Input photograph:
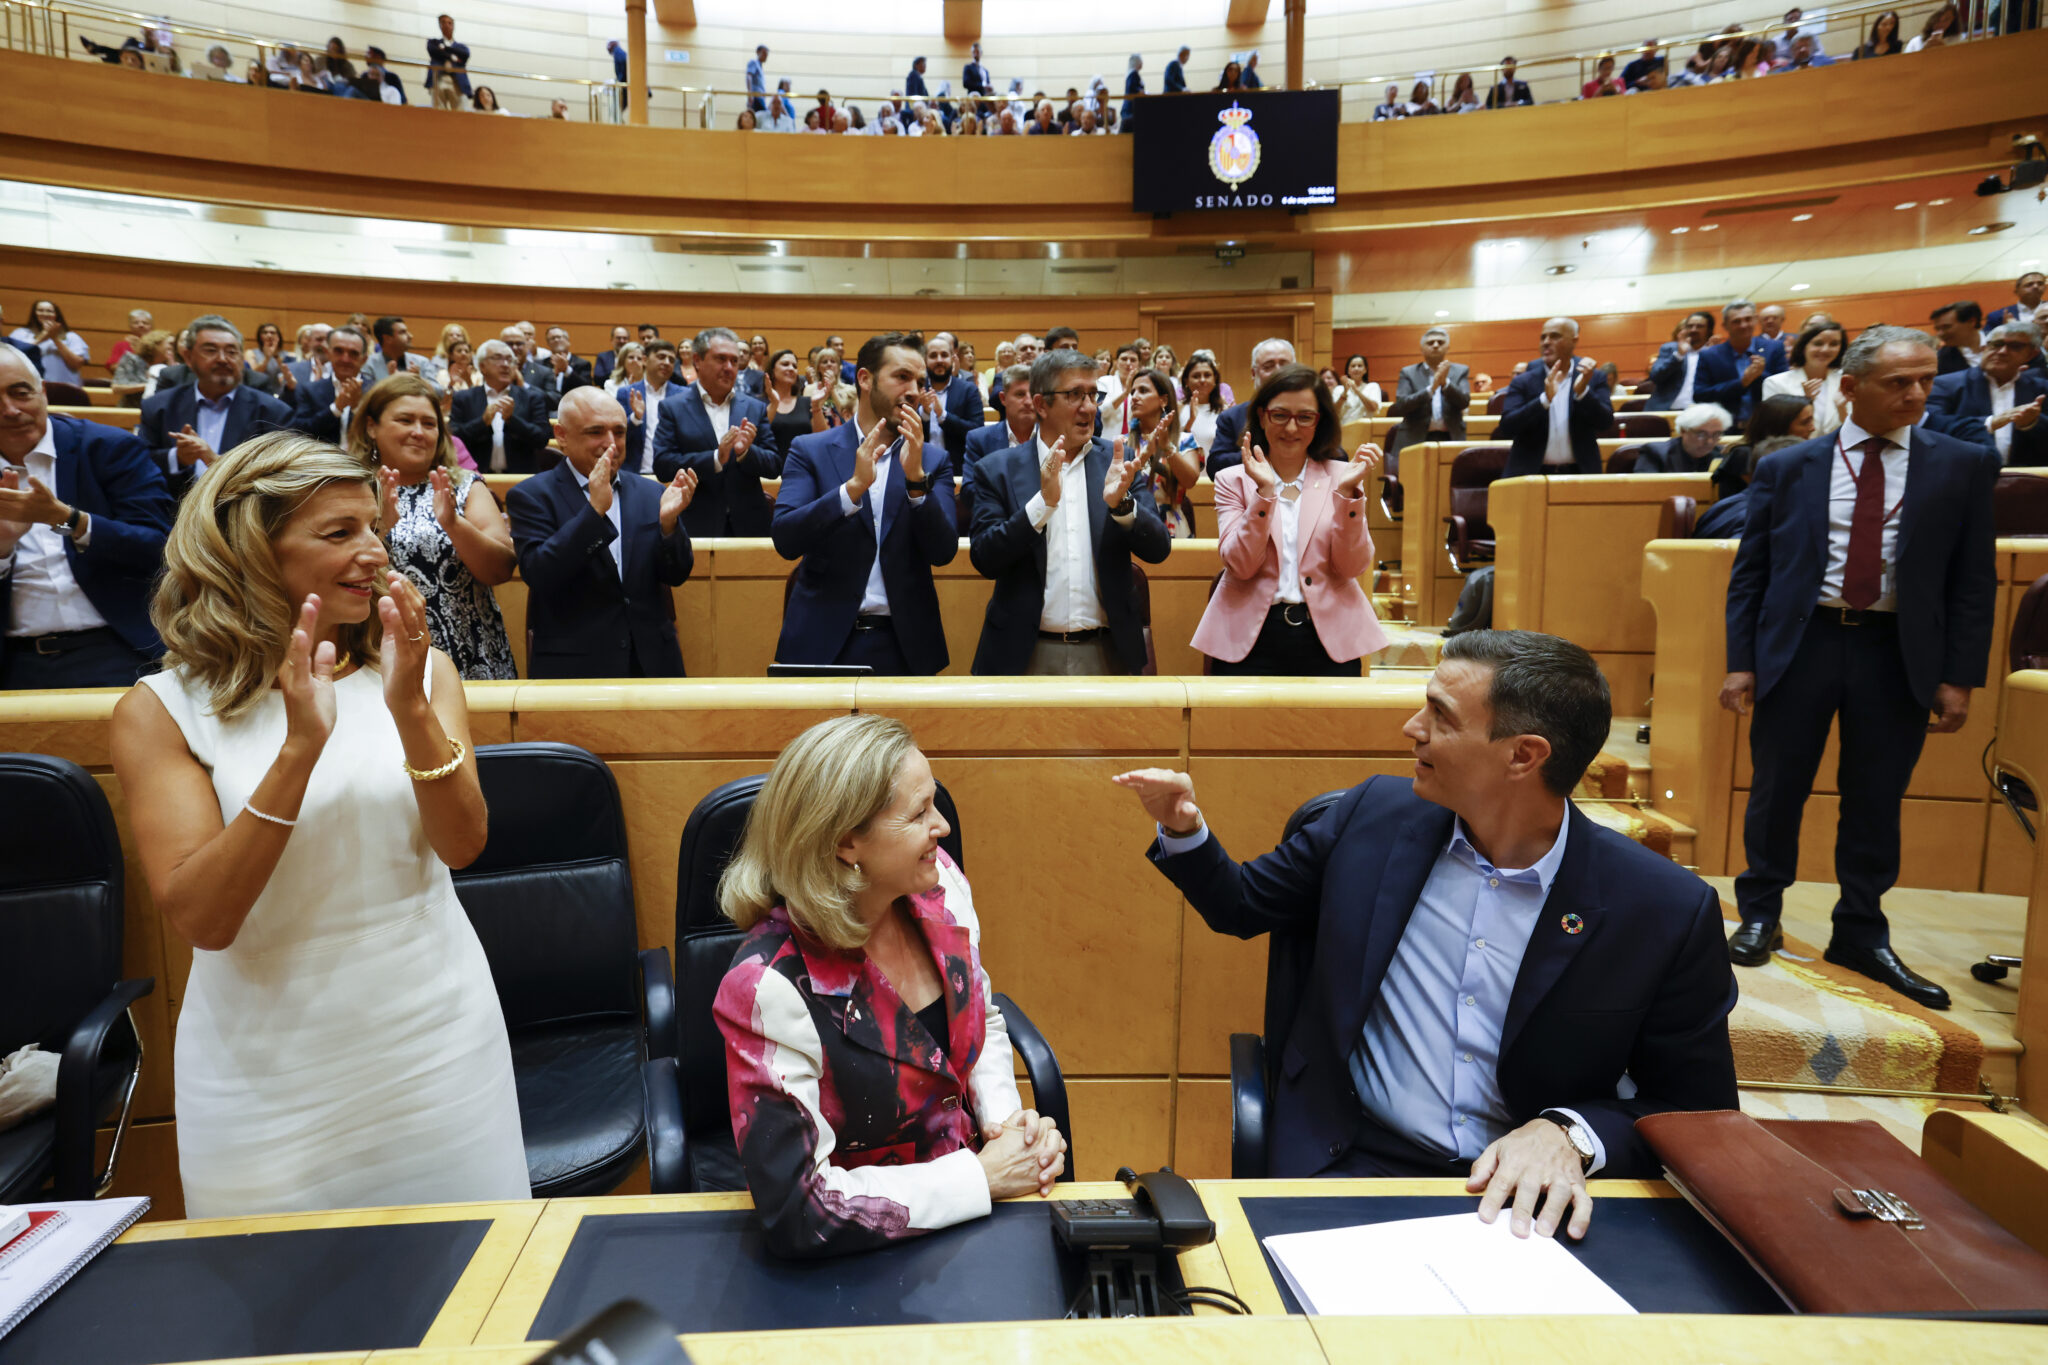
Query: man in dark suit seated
[
  {"x": 1960, "y": 328},
  {"x": 1675, "y": 371},
  {"x": 1269, "y": 357},
  {"x": 2027, "y": 291},
  {"x": 599, "y": 550},
  {"x": 1732, "y": 371},
  {"x": 325, "y": 406},
  {"x": 1500, "y": 987},
  {"x": 1723, "y": 519},
  {"x": 503, "y": 423},
  {"x": 867, "y": 510},
  {"x": 1055, "y": 525},
  {"x": 83, "y": 515},
  {"x": 1556, "y": 409},
  {"x": 723, "y": 437},
  {"x": 956, "y": 397},
  {"x": 1430, "y": 398},
  {"x": 2002, "y": 392},
  {"x": 188, "y": 426},
  {"x": 1849, "y": 600},
  {"x": 1693, "y": 449},
  {"x": 1508, "y": 92}
]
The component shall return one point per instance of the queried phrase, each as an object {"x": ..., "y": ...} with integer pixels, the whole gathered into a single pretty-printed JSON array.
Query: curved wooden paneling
[{"x": 193, "y": 139}]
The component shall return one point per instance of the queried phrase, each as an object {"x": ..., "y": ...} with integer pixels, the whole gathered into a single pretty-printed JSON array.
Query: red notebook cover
[{"x": 40, "y": 1223}]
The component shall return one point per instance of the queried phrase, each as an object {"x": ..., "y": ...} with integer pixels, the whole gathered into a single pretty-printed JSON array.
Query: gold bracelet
[{"x": 436, "y": 774}]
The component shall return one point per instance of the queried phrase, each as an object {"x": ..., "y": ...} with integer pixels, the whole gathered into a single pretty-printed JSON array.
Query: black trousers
[
  {"x": 1380, "y": 1153},
  {"x": 1854, "y": 673},
  {"x": 1286, "y": 650},
  {"x": 876, "y": 647},
  {"x": 85, "y": 658}
]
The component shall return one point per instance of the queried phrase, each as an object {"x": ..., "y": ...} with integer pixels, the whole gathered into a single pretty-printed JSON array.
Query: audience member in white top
[
  {"x": 1814, "y": 372},
  {"x": 1943, "y": 27},
  {"x": 64, "y": 351}
]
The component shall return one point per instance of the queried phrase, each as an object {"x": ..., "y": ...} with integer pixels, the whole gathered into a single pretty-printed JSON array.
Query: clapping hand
[
  {"x": 1554, "y": 379},
  {"x": 675, "y": 496},
  {"x": 1116, "y": 484},
  {"x": 1439, "y": 376},
  {"x": 601, "y": 490},
  {"x": 1585, "y": 368},
  {"x": 307, "y": 680},
  {"x": 1754, "y": 370},
  {"x": 1167, "y": 796},
  {"x": 387, "y": 499},
  {"x": 910, "y": 426},
  {"x": 639, "y": 400},
  {"x": 738, "y": 439},
  {"x": 13, "y": 523},
  {"x": 347, "y": 392},
  {"x": 191, "y": 449},
  {"x": 444, "y": 499},
  {"x": 1157, "y": 440},
  {"x": 865, "y": 455},
  {"x": 403, "y": 654},
  {"x": 499, "y": 407},
  {"x": 291, "y": 381},
  {"x": 1052, "y": 471},
  {"x": 1263, "y": 475},
  {"x": 1363, "y": 461},
  {"x": 1813, "y": 387},
  {"x": 2024, "y": 417}
]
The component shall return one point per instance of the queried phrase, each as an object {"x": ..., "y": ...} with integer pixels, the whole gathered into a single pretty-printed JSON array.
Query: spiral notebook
[{"x": 32, "y": 1272}]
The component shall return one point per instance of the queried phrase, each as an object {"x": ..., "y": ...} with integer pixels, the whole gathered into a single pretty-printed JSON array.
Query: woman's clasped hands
[{"x": 1024, "y": 1154}]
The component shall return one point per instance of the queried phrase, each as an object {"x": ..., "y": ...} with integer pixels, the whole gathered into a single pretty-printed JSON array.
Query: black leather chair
[
  {"x": 1254, "y": 1055},
  {"x": 60, "y": 394},
  {"x": 552, "y": 901},
  {"x": 2019, "y": 504},
  {"x": 1677, "y": 517},
  {"x": 1467, "y": 536},
  {"x": 1638, "y": 425},
  {"x": 60, "y": 974},
  {"x": 1623, "y": 461},
  {"x": 690, "y": 1086}
]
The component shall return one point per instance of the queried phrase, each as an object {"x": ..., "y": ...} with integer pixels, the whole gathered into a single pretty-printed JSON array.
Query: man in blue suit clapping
[
  {"x": 867, "y": 509},
  {"x": 721, "y": 435},
  {"x": 1732, "y": 371},
  {"x": 83, "y": 515}
]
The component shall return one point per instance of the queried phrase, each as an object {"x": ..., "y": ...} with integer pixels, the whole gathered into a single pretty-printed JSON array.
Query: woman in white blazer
[{"x": 1813, "y": 371}]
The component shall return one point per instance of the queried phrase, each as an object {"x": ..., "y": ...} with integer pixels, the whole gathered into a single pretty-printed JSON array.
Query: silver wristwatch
[{"x": 1575, "y": 1133}]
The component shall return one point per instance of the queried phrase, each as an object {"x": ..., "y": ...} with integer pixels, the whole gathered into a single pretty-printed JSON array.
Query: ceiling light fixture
[
  {"x": 1936, "y": 203},
  {"x": 1909, "y": 204},
  {"x": 1560, "y": 269},
  {"x": 1443, "y": 312},
  {"x": 1801, "y": 288},
  {"x": 1801, "y": 217},
  {"x": 1680, "y": 231},
  {"x": 1710, "y": 227},
  {"x": 1986, "y": 229}
]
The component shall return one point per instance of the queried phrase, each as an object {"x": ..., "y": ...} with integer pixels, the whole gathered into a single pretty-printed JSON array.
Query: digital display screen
[{"x": 1245, "y": 150}]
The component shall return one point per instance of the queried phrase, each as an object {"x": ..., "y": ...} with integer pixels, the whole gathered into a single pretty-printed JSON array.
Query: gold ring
[{"x": 417, "y": 638}]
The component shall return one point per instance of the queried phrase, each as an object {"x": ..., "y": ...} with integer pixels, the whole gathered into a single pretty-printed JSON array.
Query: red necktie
[{"x": 1863, "y": 575}]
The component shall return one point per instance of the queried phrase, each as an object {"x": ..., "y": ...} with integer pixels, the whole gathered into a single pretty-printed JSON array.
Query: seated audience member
[
  {"x": 266, "y": 364},
  {"x": 1490, "y": 1039},
  {"x": 460, "y": 371},
  {"x": 1814, "y": 372},
  {"x": 296, "y": 694},
  {"x": 1636, "y": 72},
  {"x": 83, "y": 515},
  {"x": 867, "y": 510},
  {"x": 1724, "y": 517},
  {"x": 630, "y": 369},
  {"x": 132, "y": 380},
  {"x": 1674, "y": 374},
  {"x": 392, "y": 353},
  {"x": 140, "y": 323},
  {"x": 1014, "y": 428},
  {"x": 599, "y": 549},
  {"x": 850, "y": 1142},
  {"x": 1291, "y": 531},
  {"x": 1006, "y": 356},
  {"x": 220, "y": 66},
  {"x": 439, "y": 523},
  {"x": 2002, "y": 393},
  {"x": 2026, "y": 293},
  {"x": 722, "y": 436},
  {"x": 1390, "y": 107},
  {"x": 194, "y": 423},
  {"x": 1170, "y": 471},
  {"x": 1202, "y": 404},
  {"x": 1232, "y": 78},
  {"x": 1787, "y": 414},
  {"x": 1419, "y": 101},
  {"x": 485, "y": 101},
  {"x": 1430, "y": 398},
  {"x": 953, "y": 395},
  {"x": 341, "y": 72},
  {"x": 1464, "y": 96},
  {"x": 1604, "y": 82},
  {"x": 608, "y": 361},
  {"x": 502, "y": 422},
  {"x": 1752, "y": 59},
  {"x": 378, "y": 81},
  {"x": 307, "y": 78},
  {"x": 1269, "y": 357},
  {"x": 1884, "y": 37},
  {"x": 1960, "y": 328},
  {"x": 1062, "y": 603},
  {"x": 1507, "y": 91},
  {"x": 642, "y": 401},
  {"x": 1696, "y": 446},
  {"x": 1556, "y": 409},
  {"x": 1944, "y": 26},
  {"x": 64, "y": 352},
  {"x": 326, "y": 406},
  {"x": 790, "y": 411},
  {"x": 1806, "y": 54},
  {"x": 1732, "y": 371}
]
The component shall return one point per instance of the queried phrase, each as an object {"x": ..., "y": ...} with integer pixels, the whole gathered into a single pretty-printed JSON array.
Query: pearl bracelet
[{"x": 273, "y": 819}]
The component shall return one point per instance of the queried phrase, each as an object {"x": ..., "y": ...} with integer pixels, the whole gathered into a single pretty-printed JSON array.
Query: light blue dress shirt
[{"x": 1427, "y": 1062}]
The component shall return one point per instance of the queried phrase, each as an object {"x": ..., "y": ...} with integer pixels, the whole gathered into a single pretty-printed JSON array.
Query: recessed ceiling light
[
  {"x": 2035, "y": 260},
  {"x": 1909, "y": 204},
  {"x": 1936, "y": 203},
  {"x": 1801, "y": 288},
  {"x": 1710, "y": 227},
  {"x": 1680, "y": 231},
  {"x": 1443, "y": 312},
  {"x": 1801, "y": 217},
  {"x": 1560, "y": 270},
  {"x": 1512, "y": 241},
  {"x": 1985, "y": 229}
]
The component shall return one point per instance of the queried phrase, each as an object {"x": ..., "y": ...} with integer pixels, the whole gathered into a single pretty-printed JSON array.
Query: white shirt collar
[
  {"x": 48, "y": 445},
  {"x": 1854, "y": 436}
]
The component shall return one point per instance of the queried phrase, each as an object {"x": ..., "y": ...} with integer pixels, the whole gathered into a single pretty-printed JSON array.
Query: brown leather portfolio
[{"x": 1843, "y": 1217}]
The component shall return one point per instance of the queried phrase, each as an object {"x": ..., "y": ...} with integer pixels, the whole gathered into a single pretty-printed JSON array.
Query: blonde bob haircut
[
  {"x": 827, "y": 784},
  {"x": 220, "y": 605},
  {"x": 382, "y": 395}
]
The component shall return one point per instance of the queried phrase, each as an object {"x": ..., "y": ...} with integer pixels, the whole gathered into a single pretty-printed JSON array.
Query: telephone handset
[{"x": 1163, "y": 1213}]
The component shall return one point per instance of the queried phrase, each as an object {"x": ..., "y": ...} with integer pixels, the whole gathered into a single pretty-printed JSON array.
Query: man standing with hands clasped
[
  {"x": 868, "y": 510},
  {"x": 1492, "y": 971},
  {"x": 1863, "y": 591}
]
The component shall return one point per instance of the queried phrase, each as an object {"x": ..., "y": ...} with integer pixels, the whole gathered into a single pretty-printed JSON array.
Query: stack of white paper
[
  {"x": 88, "y": 1227},
  {"x": 1431, "y": 1266}
]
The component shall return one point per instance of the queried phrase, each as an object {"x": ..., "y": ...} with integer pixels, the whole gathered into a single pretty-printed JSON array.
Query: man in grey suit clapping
[{"x": 1431, "y": 398}]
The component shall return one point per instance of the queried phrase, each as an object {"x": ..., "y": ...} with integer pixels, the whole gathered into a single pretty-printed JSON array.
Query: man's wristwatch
[
  {"x": 1126, "y": 507},
  {"x": 71, "y": 524},
  {"x": 917, "y": 486},
  {"x": 1576, "y": 1134}
]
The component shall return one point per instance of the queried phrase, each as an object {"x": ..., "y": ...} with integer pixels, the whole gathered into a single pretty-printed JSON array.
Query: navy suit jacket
[
  {"x": 1644, "y": 989},
  {"x": 117, "y": 482},
  {"x": 836, "y": 552},
  {"x": 1950, "y": 360},
  {"x": 636, "y": 432},
  {"x": 1176, "y": 77},
  {"x": 1669, "y": 457},
  {"x": 1007, "y": 548},
  {"x": 1230, "y": 428},
  {"x": 1526, "y": 422},
  {"x": 1718, "y": 378},
  {"x": 1961, "y": 401},
  {"x": 992, "y": 439},
  {"x": 166, "y": 414},
  {"x": 963, "y": 415},
  {"x": 313, "y": 412},
  {"x": 527, "y": 432},
  {"x": 1947, "y": 577},
  {"x": 1667, "y": 377},
  {"x": 729, "y": 502},
  {"x": 585, "y": 619},
  {"x": 1722, "y": 520}
]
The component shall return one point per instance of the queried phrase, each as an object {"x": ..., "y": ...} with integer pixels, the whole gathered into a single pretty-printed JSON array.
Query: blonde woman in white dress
[{"x": 299, "y": 782}]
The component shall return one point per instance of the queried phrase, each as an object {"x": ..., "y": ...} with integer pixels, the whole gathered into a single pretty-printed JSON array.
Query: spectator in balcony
[
  {"x": 558, "y": 109},
  {"x": 341, "y": 72},
  {"x": 1233, "y": 77},
  {"x": 1507, "y": 91},
  {"x": 308, "y": 79},
  {"x": 1251, "y": 72},
  {"x": 974, "y": 78},
  {"x": 63, "y": 352},
  {"x": 1464, "y": 96},
  {"x": 1087, "y": 125},
  {"x": 1419, "y": 101},
  {"x": 446, "y": 57},
  {"x": 1177, "y": 71},
  {"x": 1042, "y": 120},
  {"x": 1944, "y": 26},
  {"x": 757, "y": 81},
  {"x": 620, "y": 59},
  {"x": 486, "y": 102},
  {"x": 782, "y": 110},
  {"x": 1006, "y": 122},
  {"x": 1884, "y": 37},
  {"x": 1134, "y": 85},
  {"x": 220, "y": 66},
  {"x": 1814, "y": 372},
  {"x": 1390, "y": 107},
  {"x": 377, "y": 81},
  {"x": 811, "y": 122},
  {"x": 1636, "y": 72},
  {"x": 1806, "y": 54},
  {"x": 1604, "y": 82},
  {"x": 913, "y": 83},
  {"x": 1752, "y": 59}
]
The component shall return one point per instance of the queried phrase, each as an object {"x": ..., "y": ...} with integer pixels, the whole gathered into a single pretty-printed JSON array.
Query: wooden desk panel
[{"x": 128, "y": 419}]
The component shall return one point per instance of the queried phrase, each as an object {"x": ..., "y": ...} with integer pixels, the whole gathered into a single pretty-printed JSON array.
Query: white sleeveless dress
[{"x": 348, "y": 1049}]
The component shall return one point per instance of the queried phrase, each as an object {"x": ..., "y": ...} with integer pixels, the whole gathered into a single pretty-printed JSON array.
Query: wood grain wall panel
[
  {"x": 1940, "y": 842},
  {"x": 1117, "y": 1122}
]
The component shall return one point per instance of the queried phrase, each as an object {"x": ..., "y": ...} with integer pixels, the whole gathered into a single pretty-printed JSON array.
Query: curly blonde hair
[
  {"x": 828, "y": 783},
  {"x": 220, "y": 605}
]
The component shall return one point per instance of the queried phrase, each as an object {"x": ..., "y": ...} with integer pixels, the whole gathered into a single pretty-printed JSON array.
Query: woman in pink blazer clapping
[{"x": 1292, "y": 528}]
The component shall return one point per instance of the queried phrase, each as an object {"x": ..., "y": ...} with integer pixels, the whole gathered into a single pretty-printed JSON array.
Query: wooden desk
[
  {"x": 2023, "y": 751},
  {"x": 127, "y": 418}
]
